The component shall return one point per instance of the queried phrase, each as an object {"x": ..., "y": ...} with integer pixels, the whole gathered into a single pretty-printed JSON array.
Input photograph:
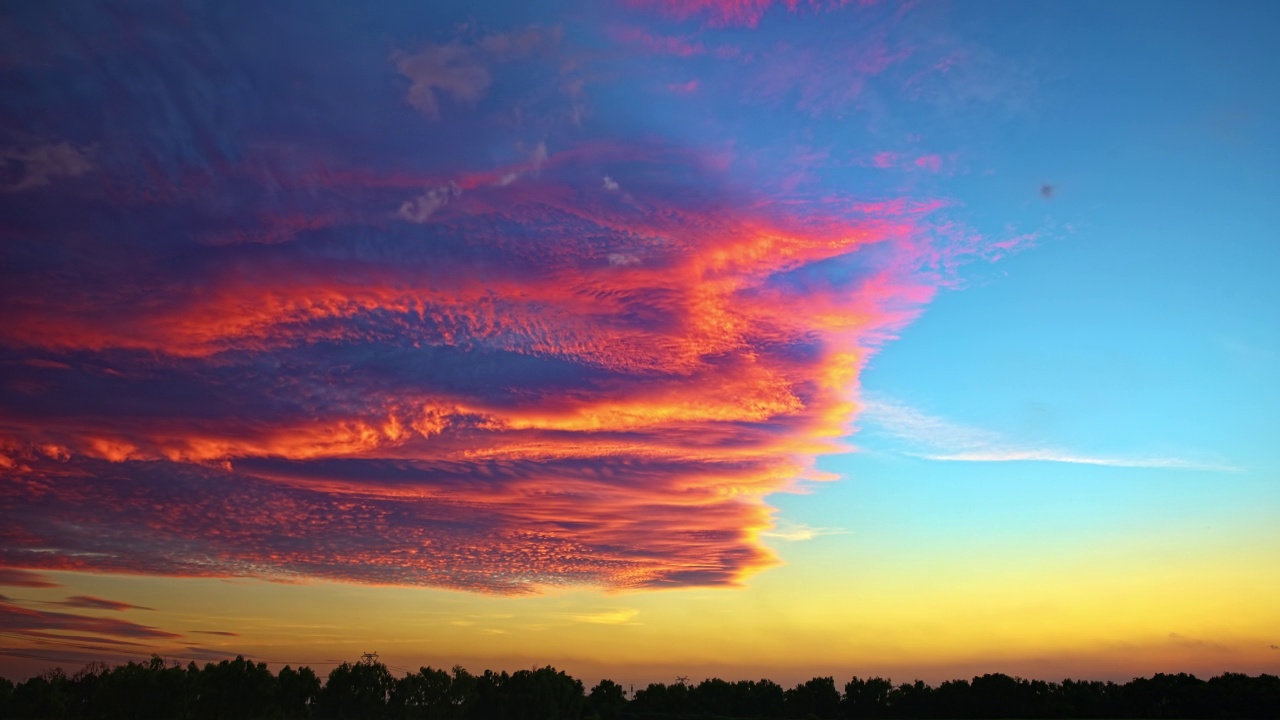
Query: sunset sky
[{"x": 642, "y": 338}]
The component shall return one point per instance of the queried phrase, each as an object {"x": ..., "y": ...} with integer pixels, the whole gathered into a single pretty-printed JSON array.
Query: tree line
[{"x": 242, "y": 690}]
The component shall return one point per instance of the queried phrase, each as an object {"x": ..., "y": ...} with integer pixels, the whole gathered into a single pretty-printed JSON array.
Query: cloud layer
[{"x": 388, "y": 325}]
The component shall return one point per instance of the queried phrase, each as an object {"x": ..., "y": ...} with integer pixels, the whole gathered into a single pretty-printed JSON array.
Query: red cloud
[
  {"x": 26, "y": 621},
  {"x": 14, "y": 577},
  {"x": 95, "y": 603},
  {"x": 319, "y": 337},
  {"x": 569, "y": 419}
]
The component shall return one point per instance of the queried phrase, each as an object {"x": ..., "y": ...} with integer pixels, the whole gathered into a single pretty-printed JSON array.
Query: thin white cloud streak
[
  {"x": 935, "y": 438},
  {"x": 800, "y": 532}
]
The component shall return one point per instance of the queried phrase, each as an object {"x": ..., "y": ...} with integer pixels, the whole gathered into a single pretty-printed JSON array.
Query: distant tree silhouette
[
  {"x": 235, "y": 689},
  {"x": 607, "y": 700},
  {"x": 424, "y": 694},
  {"x": 768, "y": 698},
  {"x": 359, "y": 691},
  {"x": 816, "y": 698},
  {"x": 911, "y": 700},
  {"x": 953, "y": 695},
  {"x": 6, "y": 697},
  {"x": 244, "y": 689},
  {"x": 866, "y": 698},
  {"x": 297, "y": 692}
]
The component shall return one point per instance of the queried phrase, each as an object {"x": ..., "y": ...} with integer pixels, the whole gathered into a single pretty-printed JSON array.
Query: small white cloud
[
  {"x": 610, "y": 184},
  {"x": 421, "y": 208},
  {"x": 622, "y": 259},
  {"x": 934, "y": 438},
  {"x": 537, "y": 157},
  {"x": 41, "y": 163},
  {"x": 800, "y": 532}
]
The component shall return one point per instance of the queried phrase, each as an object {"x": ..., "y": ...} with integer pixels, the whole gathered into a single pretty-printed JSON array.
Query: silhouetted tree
[
  {"x": 243, "y": 689},
  {"x": 357, "y": 691},
  {"x": 911, "y": 700},
  {"x": 6, "y": 697},
  {"x": 651, "y": 700},
  {"x": 817, "y": 698},
  {"x": 235, "y": 689},
  {"x": 866, "y": 698},
  {"x": 424, "y": 694},
  {"x": 297, "y": 691},
  {"x": 607, "y": 700},
  {"x": 542, "y": 694},
  {"x": 768, "y": 697},
  {"x": 46, "y": 695}
]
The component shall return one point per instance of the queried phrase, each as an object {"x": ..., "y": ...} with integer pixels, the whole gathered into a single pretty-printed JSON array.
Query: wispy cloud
[
  {"x": 619, "y": 616},
  {"x": 16, "y": 619},
  {"x": 40, "y": 163},
  {"x": 89, "y": 602},
  {"x": 934, "y": 438},
  {"x": 799, "y": 532},
  {"x": 13, "y": 577}
]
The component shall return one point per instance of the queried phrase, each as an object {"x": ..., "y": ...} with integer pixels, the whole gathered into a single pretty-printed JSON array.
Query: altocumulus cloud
[{"x": 261, "y": 348}]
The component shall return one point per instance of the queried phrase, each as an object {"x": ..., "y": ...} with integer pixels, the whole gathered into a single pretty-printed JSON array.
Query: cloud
[
  {"x": 620, "y": 616},
  {"x": 569, "y": 416},
  {"x": 799, "y": 532},
  {"x": 461, "y": 71},
  {"x": 95, "y": 603},
  {"x": 14, "y": 577},
  {"x": 223, "y": 633},
  {"x": 537, "y": 157},
  {"x": 451, "y": 69},
  {"x": 26, "y": 621},
  {"x": 685, "y": 88},
  {"x": 659, "y": 44},
  {"x": 421, "y": 208},
  {"x": 39, "y": 164},
  {"x": 298, "y": 335},
  {"x": 934, "y": 438},
  {"x": 720, "y": 13}
]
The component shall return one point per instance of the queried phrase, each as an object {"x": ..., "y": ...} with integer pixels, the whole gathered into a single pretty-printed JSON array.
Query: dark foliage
[{"x": 246, "y": 690}]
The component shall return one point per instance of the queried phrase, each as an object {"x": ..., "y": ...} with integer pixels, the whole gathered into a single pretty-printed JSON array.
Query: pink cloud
[
  {"x": 659, "y": 44},
  {"x": 685, "y": 88},
  {"x": 884, "y": 160},
  {"x": 932, "y": 163},
  {"x": 647, "y": 382},
  {"x": 746, "y": 13}
]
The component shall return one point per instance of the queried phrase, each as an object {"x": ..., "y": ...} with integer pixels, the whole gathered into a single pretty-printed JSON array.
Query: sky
[{"x": 642, "y": 338}]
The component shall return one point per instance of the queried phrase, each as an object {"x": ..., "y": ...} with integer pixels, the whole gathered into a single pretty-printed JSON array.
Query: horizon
[{"x": 643, "y": 338}]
